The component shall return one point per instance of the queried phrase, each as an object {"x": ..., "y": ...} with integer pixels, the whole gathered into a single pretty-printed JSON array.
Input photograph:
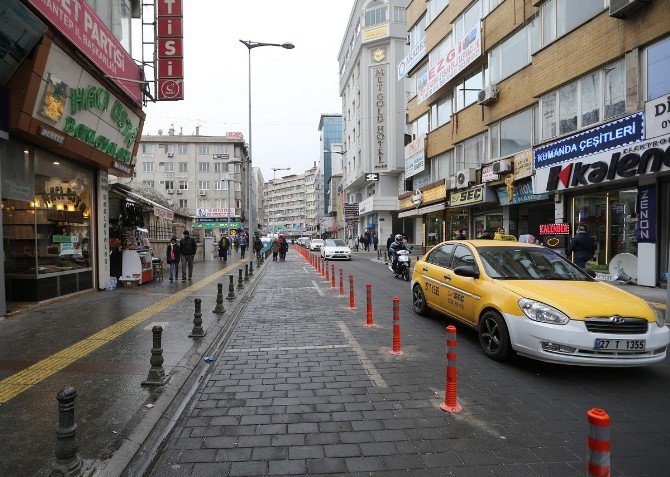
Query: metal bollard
[
  {"x": 251, "y": 269},
  {"x": 68, "y": 462},
  {"x": 246, "y": 272},
  {"x": 341, "y": 284},
  {"x": 352, "y": 302},
  {"x": 368, "y": 315},
  {"x": 450, "y": 404},
  {"x": 231, "y": 288},
  {"x": 240, "y": 285},
  {"x": 332, "y": 276},
  {"x": 396, "y": 351},
  {"x": 219, "y": 299},
  {"x": 598, "y": 443},
  {"x": 157, "y": 376},
  {"x": 198, "y": 331}
]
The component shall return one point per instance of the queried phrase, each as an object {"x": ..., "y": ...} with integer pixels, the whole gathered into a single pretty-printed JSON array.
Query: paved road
[{"x": 302, "y": 387}]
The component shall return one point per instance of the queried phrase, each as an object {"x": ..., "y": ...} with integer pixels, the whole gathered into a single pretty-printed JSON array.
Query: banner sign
[
  {"x": 521, "y": 192},
  {"x": 646, "y": 214},
  {"x": 555, "y": 229},
  {"x": 83, "y": 27},
  {"x": 102, "y": 206},
  {"x": 411, "y": 60},
  {"x": 602, "y": 138},
  {"x": 657, "y": 116},
  {"x": 220, "y": 212},
  {"x": 170, "y": 51},
  {"x": 164, "y": 213},
  {"x": 452, "y": 63},
  {"x": 415, "y": 157},
  {"x": 475, "y": 195}
]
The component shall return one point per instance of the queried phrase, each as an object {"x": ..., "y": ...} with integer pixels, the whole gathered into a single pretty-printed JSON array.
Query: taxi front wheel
[
  {"x": 419, "y": 301},
  {"x": 494, "y": 337}
]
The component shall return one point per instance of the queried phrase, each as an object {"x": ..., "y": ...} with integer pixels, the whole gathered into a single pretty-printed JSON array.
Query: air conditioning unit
[
  {"x": 502, "y": 166},
  {"x": 203, "y": 192},
  {"x": 170, "y": 191},
  {"x": 621, "y": 8},
  {"x": 179, "y": 191},
  {"x": 488, "y": 95},
  {"x": 170, "y": 154},
  {"x": 452, "y": 183},
  {"x": 465, "y": 177}
]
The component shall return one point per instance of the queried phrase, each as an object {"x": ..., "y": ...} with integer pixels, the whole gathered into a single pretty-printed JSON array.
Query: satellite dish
[{"x": 623, "y": 266}]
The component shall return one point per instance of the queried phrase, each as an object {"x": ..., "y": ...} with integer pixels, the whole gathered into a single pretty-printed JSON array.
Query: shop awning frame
[{"x": 422, "y": 210}]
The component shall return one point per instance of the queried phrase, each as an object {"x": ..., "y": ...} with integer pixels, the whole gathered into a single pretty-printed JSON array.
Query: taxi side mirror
[
  {"x": 590, "y": 273},
  {"x": 470, "y": 272}
]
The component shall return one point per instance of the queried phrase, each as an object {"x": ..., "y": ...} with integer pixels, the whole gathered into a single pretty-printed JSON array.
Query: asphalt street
[{"x": 302, "y": 387}]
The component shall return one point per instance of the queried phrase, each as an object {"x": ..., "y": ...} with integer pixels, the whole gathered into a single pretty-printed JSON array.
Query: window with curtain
[
  {"x": 562, "y": 16},
  {"x": 375, "y": 13},
  {"x": 471, "y": 152},
  {"x": 509, "y": 56},
  {"x": 512, "y": 135}
]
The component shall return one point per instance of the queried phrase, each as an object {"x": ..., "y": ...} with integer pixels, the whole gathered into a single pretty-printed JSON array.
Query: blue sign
[
  {"x": 602, "y": 138},
  {"x": 646, "y": 214},
  {"x": 522, "y": 192}
]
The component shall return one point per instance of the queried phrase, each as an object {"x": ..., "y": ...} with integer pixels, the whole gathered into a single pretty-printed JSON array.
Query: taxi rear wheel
[
  {"x": 494, "y": 337},
  {"x": 419, "y": 301}
]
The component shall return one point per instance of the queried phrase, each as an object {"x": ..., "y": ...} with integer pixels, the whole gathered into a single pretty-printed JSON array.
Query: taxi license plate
[{"x": 620, "y": 345}]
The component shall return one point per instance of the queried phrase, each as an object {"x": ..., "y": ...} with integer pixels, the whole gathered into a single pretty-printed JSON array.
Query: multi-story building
[
  {"x": 373, "y": 109},
  {"x": 284, "y": 203},
  {"x": 539, "y": 116},
  {"x": 314, "y": 208},
  {"x": 257, "y": 196},
  {"x": 203, "y": 174},
  {"x": 330, "y": 130}
]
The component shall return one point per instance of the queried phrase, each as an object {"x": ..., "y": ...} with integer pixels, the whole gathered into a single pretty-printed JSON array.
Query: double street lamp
[
  {"x": 274, "y": 178},
  {"x": 250, "y": 46}
]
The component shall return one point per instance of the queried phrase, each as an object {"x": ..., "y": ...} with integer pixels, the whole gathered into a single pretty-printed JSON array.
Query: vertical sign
[
  {"x": 103, "y": 229},
  {"x": 379, "y": 116},
  {"x": 170, "y": 51},
  {"x": 646, "y": 214}
]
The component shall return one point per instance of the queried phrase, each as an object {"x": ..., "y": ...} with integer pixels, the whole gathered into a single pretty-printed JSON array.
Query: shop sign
[
  {"x": 163, "y": 213},
  {"x": 234, "y": 136},
  {"x": 169, "y": 51},
  {"x": 521, "y": 192},
  {"x": 372, "y": 177},
  {"x": 103, "y": 229},
  {"x": 599, "y": 139},
  {"x": 411, "y": 60},
  {"x": 634, "y": 160},
  {"x": 379, "y": 111},
  {"x": 646, "y": 214},
  {"x": 417, "y": 198},
  {"x": 49, "y": 134},
  {"x": 65, "y": 238},
  {"x": 488, "y": 175},
  {"x": 221, "y": 212},
  {"x": 377, "y": 32},
  {"x": 657, "y": 116},
  {"x": 73, "y": 217},
  {"x": 351, "y": 211},
  {"x": 216, "y": 223},
  {"x": 523, "y": 164},
  {"x": 415, "y": 157},
  {"x": 555, "y": 229},
  {"x": 452, "y": 63},
  {"x": 67, "y": 249},
  {"x": 475, "y": 195},
  {"x": 79, "y": 23},
  {"x": 119, "y": 166}
]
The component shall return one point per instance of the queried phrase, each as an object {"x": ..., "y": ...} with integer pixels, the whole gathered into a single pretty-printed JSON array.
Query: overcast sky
[{"x": 290, "y": 89}]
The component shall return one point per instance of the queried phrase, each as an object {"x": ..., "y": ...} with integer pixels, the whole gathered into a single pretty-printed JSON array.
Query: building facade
[
  {"x": 373, "y": 110},
  {"x": 330, "y": 132},
  {"x": 536, "y": 118},
  {"x": 202, "y": 174},
  {"x": 284, "y": 202},
  {"x": 66, "y": 120},
  {"x": 257, "y": 196}
]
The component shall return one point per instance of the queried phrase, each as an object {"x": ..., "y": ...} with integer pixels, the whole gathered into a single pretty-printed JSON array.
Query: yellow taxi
[{"x": 530, "y": 300}]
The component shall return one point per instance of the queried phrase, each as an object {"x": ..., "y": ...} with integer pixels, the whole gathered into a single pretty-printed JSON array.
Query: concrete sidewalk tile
[
  {"x": 322, "y": 438},
  {"x": 326, "y": 466},
  {"x": 270, "y": 453},
  {"x": 197, "y": 455},
  {"x": 365, "y": 464},
  {"x": 441, "y": 459},
  {"x": 514, "y": 470},
  {"x": 287, "y": 467},
  {"x": 248, "y": 468},
  {"x": 342, "y": 450},
  {"x": 215, "y": 469},
  {"x": 307, "y": 452},
  {"x": 415, "y": 447},
  {"x": 234, "y": 454},
  {"x": 407, "y": 462},
  {"x": 476, "y": 471}
]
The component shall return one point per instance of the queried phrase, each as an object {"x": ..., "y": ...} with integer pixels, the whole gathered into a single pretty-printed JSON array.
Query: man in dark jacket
[
  {"x": 172, "y": 254},
  {"x": 188, "y": 247},
  {"x": 583, "y": 246},
  {"x": 258, "y": 246}
]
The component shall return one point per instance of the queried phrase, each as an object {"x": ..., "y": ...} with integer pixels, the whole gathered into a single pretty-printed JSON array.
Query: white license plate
[{"x": 620, "y": 345}]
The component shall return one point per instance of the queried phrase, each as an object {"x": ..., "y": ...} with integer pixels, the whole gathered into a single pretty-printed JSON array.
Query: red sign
[
  {"x": 555, "y": 229},
  {"x": 82, "y": 26},
  {"x": 234, "y": 136},
  {"x": 170, "y": 51},
  {"x": 170, "y": 48}
]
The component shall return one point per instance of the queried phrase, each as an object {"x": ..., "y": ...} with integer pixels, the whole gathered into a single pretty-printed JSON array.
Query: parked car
[
  {"x": 335, "y": 249},
  {"x": 530, "y": 300},
  {"x": 316, "y": 244},
  {"x": 303, "y": 241}
]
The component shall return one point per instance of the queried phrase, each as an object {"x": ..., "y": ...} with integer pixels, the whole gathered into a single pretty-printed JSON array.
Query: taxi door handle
[
  {"x": 447, "y": 277},
  {"x": 425, "y": 269}
]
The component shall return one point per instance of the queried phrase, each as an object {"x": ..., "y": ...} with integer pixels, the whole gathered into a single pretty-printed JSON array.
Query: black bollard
[
  {"x": 246, "y": 272},
  {"x": 251, "y": 268},
  {"x": 68, "y": 462},
  {"x": 219, "y": 299},
  {"x": 197, "y": 331},
  {"x": 231, "y": 288},
  {"x": 157, "y": 376},
  {"x": 240, "y": 285}
]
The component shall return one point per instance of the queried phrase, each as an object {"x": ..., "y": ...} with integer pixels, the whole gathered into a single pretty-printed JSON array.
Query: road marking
[
  {"x": 318, "y": 290},
  {"x": 306, "y": 271},
  {"x": 369, "y": 368},
  {"x": 286, "y": 348},
  {"x": 659, "y": 305},
  {"x": 15, "y": 384}
]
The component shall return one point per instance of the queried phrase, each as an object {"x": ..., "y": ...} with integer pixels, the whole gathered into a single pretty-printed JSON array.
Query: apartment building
[
  {"x": 373, "y": 110},
  {"x": 330, "y": 132},
  {"x": 538, "y": 116},
  {"x": 284, "y": 204},
  {"x": 203, "y": 174}
]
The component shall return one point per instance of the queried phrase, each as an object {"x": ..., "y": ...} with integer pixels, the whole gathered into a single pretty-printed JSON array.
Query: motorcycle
[{"x": 402, "y": 269}]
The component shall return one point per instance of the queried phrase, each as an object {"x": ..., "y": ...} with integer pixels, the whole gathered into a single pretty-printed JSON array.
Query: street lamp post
[
  {"x": 274, "y": 178},
  {"x": 251, "y": 45}
]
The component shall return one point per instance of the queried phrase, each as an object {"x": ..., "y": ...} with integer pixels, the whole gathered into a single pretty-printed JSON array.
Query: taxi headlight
[
  {"x": 537, "y": 311},
  {"x": 660, "y": 316}
]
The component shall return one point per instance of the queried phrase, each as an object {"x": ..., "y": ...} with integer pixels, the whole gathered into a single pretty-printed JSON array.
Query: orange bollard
[
  {"x": 369, "y": 323},
  {"x": 598, "y": 451},
  {"x": 396, "y": 351},
  {"x": 332, "y": 276},
  {"x": 352, "y": 303},
  {"x": 450, "y": 404},
  {"x": 341, "y": 284},
  {"x": 327, "y": 273}
]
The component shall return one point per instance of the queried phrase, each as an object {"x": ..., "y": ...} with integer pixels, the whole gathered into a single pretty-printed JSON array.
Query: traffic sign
[{"x": 372, "y": 177}]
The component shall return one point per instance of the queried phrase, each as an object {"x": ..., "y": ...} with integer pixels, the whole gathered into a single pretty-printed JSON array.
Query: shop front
[
  {"x": 525, "y": 211},
  {"x": 426, "y": 207},
  {"x": 477, "y": 203}
]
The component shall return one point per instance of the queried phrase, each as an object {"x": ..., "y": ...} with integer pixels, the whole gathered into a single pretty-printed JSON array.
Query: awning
[
  {"x": 422, "y": 210},
  {"x": 159, "y": 210}
]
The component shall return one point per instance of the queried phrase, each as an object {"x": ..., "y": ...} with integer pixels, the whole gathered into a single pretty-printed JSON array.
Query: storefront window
[
  {"x": 434, "y": 229},
  {"x": 457, "y": 220}
]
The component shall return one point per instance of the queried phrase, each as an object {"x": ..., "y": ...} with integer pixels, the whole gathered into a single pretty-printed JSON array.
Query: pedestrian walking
[
  {"x": 258, "y": 246},
  {"x": 283, "y": 248},
  {"x": 275, "y": 249},
  {"x": 366, "y": 241},
  {"x": 244, "y": 241},
  {"x": 461, "y": 235},
  {"x": 224, "y": 245},
  {"x": 173, "y": 254},
  {"x": 236, "y": 243},
  {"x": 583, "y": 246},
  {"x": 375, "y": 241},
  {"x": 188, "y": 248}
]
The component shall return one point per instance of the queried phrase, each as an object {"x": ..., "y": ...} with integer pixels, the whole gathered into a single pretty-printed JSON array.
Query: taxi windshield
[{"x": 516, "y": 263}]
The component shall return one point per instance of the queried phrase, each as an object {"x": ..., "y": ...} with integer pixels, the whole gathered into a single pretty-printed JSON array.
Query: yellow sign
[
  {"x": 374, "y": 33},
  {"x": 233, "y": 232},
  {"x": 469, "y": 196},
  {"x": 523, "y": 164}
]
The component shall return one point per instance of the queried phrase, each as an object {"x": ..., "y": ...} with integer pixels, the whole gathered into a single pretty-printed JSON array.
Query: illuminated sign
[
  {"x": 170, "y": 51},
  {"x": 555, "y": 229}
]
